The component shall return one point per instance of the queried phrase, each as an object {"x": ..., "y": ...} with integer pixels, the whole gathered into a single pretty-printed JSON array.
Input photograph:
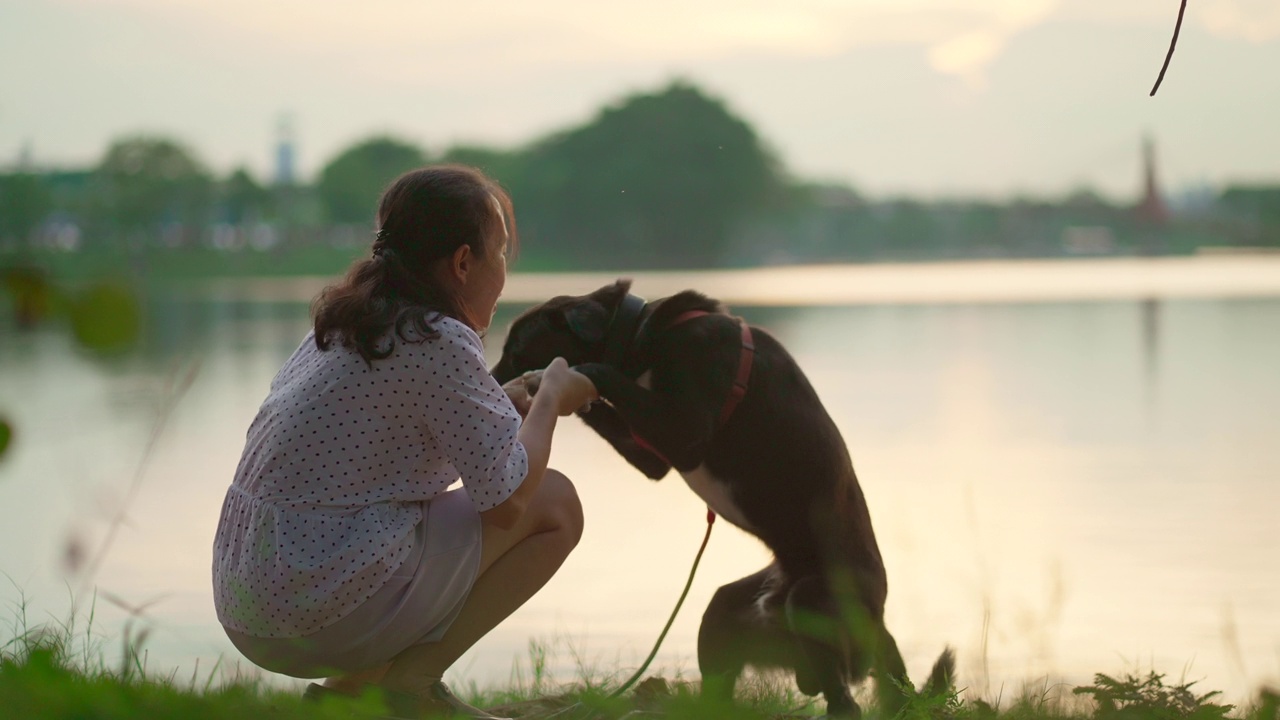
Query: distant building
[
  {"x": 26, "y": 158},
  {"x": 285, "y": 155},
  {"x": 1193, "y": 200},
  {"x": 1152, "y": 210}
]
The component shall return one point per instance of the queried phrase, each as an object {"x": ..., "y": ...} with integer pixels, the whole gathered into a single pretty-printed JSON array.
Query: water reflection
[
  {"x": 1059, "y": 488},
  {"x": 1151, "y": 348}
]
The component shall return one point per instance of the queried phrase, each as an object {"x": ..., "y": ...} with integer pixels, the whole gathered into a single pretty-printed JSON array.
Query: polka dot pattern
[{"x": 335, "y": 469}]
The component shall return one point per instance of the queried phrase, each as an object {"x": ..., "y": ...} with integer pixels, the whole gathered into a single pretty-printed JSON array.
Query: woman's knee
[{"x": 561, "y": 504}]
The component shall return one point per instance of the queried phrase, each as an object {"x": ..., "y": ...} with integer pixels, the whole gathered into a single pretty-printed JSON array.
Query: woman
[{"x": 340, "y": 552}]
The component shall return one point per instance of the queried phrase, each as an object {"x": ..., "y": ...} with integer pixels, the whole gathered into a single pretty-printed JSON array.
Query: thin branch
[
  {"x": 1182, "y": 10},
  {"x": 175, "y": 388}
]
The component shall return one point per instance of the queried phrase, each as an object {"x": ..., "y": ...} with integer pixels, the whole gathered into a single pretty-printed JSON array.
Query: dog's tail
[
  {"x": 895, "y": 690},
  {"x": 942, "y": 678}
]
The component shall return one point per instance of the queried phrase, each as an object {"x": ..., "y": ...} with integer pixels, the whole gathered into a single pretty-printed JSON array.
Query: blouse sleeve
[{"x": 472, "y": 419}]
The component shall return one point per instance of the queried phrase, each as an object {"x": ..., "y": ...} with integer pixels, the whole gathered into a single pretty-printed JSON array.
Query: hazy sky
[{"x": 922, "y": 97}]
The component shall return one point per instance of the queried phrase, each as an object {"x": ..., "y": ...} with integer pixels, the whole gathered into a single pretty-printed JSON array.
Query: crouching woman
[{"x": 340, "y": 551}]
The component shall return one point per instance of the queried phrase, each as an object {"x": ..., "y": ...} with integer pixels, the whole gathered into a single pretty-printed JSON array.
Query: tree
[
  {"x": 243, "y": 199},
  {"x": 1252, "y": 213},
  {"x": 144, "y": 183},
  {"x": 658, "y": 180},
  {"x": 25, "y": 201},
  {"x": 351, "y": 183},
  {"x": 507, "y": 167}
]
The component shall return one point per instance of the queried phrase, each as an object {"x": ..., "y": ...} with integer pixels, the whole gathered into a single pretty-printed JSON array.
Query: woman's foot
[
  {"x": 441, "y": 702},
  {"x": 438, "y": 702}
]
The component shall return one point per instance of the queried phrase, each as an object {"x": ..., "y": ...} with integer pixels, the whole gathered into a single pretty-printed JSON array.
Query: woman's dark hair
[{"x": 423, "y": 217}]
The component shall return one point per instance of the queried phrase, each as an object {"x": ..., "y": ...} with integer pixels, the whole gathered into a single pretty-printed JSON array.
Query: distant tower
[
  {"x": 285, "y": 159},
  {"x": 1152, "y": 210},
  {"x": 26, "y": 158}
]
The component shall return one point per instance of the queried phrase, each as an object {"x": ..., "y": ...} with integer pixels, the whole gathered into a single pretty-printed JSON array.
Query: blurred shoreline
[{"x": 1211, "y": 275}]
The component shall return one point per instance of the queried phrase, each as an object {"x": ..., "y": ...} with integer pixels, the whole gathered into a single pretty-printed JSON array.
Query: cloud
[
  {"x": 451, "y": 43},
  {"x": 967, "y": 54},
  {"x": 430, "y": 39},
  {"x": 1256, "y": 21}
]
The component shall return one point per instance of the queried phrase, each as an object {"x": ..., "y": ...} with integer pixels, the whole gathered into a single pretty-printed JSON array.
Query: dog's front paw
[
  {"x": 599, "y": 374},
  {"x": 592, "y": 370}
]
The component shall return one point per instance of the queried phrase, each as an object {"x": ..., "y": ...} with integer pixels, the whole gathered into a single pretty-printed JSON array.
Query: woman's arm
[{"x": 560, "y": 391}]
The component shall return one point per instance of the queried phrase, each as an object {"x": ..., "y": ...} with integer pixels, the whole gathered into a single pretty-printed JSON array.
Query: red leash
[
  {"x": 736, "y": 393},
  {"x": 739, "y": 389},
  {"x": 711, "y": 519}
]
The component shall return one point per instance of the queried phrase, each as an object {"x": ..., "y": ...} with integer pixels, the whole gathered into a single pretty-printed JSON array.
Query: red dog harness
[{"x": 736, "y": 393}]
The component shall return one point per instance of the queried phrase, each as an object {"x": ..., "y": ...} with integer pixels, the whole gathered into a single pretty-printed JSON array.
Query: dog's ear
[
  {"x": 588, "y": 320},
  {"x": 611, "y": 296}
]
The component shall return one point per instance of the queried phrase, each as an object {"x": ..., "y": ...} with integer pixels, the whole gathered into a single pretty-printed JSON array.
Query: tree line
[
  {"x": 668, "y": 178},
  {"x": 661, "y": 178}
]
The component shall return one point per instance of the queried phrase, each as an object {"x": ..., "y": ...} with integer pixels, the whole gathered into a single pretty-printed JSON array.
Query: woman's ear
[{"x": 460, "y": 263}]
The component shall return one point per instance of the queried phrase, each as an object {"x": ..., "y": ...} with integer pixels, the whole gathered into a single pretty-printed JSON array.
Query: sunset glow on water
[{"x": 1058, "y": 487}]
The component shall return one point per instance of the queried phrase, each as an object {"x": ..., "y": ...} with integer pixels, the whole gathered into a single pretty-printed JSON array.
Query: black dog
[{"x": 769, "y": 460}]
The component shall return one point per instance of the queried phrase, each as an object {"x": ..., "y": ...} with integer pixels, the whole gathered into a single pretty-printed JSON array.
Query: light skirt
[{"x": 417, "y": 605}]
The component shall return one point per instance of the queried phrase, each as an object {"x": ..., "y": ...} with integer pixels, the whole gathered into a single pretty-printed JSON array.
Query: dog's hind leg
[
  {"x": 829, "y": 660},
  {"x": 893, "y": 687},
  {"x": 736, "y": 633}
]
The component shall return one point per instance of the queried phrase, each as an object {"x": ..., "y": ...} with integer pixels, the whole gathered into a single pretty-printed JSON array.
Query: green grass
[{"x": 58, "y": 670}]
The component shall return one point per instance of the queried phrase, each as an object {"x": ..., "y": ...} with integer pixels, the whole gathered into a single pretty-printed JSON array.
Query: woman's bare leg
[{"x": 514, "y": 565}]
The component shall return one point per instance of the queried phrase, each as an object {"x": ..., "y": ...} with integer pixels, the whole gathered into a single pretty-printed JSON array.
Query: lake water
[{"x": 1069, "y": 472}]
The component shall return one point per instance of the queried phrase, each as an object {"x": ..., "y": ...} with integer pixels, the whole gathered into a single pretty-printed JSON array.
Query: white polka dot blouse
[{"x": 335, "y": 468}]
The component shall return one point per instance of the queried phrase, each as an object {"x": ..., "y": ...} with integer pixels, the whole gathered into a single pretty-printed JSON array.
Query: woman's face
[{"x": 487, "y": 276}]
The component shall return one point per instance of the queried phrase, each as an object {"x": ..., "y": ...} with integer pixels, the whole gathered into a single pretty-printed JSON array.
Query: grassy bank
[
  {"x": 169, "y": 265},
  {"x": 57, "y": 672},
  {"x": 177, "y": 264}
]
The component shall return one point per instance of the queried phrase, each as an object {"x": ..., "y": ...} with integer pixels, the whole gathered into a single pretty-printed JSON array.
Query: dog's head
[{"x": 573, "y": 328}]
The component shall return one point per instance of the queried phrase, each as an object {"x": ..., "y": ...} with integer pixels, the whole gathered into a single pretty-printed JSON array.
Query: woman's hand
[
  {"x": 521, "y": 394},
  {"x": 557, "y": 390},
  {"x": 570, "y": 390}
]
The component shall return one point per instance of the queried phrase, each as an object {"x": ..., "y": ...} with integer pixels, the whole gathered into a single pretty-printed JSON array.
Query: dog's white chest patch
[{"x": 715, "y": 493}]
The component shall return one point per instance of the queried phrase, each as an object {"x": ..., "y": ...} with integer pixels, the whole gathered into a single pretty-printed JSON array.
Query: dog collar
[{"x": 622, "y": 330}]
